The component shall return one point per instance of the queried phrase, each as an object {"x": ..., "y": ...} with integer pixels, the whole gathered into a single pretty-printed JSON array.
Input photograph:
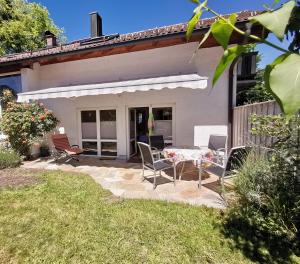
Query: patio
[{"x": 124, "y": 180}]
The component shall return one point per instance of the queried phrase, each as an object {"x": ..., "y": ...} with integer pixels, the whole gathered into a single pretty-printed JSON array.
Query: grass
[
  {"x": 68, "y": 218},
  {"x": 9, "y": 159}
]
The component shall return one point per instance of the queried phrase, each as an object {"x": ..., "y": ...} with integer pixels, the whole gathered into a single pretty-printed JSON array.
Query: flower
[{"x": 32, "y": 119}]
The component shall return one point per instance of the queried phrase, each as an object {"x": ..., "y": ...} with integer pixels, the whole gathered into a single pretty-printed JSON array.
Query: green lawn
[{"x": 68, "y": 218}]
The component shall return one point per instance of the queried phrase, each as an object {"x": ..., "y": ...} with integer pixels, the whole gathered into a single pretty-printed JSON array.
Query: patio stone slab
[{"x": 125, "y": 180}]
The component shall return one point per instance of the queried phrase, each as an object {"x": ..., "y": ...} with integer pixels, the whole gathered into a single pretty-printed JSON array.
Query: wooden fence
[{"x": 241, "y": 124}]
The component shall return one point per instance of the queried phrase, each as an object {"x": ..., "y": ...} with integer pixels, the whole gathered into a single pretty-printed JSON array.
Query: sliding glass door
[
  {"x": 138, "y": 125},
  {"x": 99, "y": 132}
]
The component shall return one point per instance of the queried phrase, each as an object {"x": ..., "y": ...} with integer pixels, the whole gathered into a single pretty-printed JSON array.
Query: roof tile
[{"x": 123, "y": 38}]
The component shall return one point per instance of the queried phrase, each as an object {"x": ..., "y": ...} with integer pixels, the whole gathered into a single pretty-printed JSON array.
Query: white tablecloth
[{"x": 181, "y": 154}]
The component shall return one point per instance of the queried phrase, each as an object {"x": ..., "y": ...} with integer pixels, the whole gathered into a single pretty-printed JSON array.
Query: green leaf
[
  {"x": 222, "y": 30},
  {"x": 283, "y": 79},
  {"x": 268, "y": 70},
  {"x": 195, "y": 2},
  {"x": 229, "y": 56},
  {"x": 276, "y": 21},
  {"x": 195, "y": 18}
]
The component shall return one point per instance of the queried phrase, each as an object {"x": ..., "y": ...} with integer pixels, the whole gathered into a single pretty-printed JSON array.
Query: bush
[
  {"x": 9, "y": 159},
  {"x": 266, "y": 218},
  {"x": 24, "y": 123}
]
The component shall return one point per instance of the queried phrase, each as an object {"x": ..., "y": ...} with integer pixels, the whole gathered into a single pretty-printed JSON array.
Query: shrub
[
  {"x": 267, "y": 212},
  {"x": 24, "y": 123},
  {"x": 9, "y": 159}
]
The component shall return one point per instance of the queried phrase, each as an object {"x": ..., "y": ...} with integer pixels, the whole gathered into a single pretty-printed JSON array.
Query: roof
[{"x": 81, "y": 45}]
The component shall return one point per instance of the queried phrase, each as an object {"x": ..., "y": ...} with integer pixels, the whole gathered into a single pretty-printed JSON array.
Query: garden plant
[
  {"x": 264, "y": 221},
  {"x": 24, "y": 123}
]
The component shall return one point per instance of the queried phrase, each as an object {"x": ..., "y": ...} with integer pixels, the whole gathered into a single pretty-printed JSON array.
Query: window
[
  {"x": 164, "y": 113},
  {"x": 90, "y": 148},
  {"x": 88, "y": 125},
  {"x": 108, "y": 124},
  {"x": 99, "y": 132},
  {"x": 89, "y": 132},
  {"x": 109, "y": 149},
  {"x": 108, "y": 132},
  {"x": 12, "y": 81}
]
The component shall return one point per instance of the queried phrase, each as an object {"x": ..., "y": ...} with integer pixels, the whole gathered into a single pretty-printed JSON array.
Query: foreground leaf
[
  {"x": 194, "y": 20},
  {"x": 267, "y": 73},
  {"x": 229, "y": 56},
  {"x": 284, "y": 82},
  {"x": 222, "y": 30},
  {"x": 276, "y": 21}
]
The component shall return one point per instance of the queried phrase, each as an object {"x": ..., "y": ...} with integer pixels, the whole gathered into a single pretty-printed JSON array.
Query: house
[{"x": 104, "y": 88}]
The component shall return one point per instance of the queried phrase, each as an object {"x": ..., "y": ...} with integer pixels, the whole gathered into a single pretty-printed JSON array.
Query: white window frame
[{"x": 98, "y": 139}]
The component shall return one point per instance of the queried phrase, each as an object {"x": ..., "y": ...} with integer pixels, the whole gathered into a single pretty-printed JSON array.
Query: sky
[{"x": 120, "y": 16}]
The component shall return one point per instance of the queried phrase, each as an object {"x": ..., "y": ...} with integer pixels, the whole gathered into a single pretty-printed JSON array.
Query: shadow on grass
[{"x": 256, "y": 243}]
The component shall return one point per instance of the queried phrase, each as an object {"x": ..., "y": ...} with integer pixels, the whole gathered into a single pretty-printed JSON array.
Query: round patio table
[{"x": 182, "y": 154}]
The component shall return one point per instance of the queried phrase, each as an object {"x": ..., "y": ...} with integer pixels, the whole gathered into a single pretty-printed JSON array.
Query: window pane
[
  {"x": 109, "y": 149},
  {"x": 108, "y": 115},
  {"x": 88, "y": 116},
  {"x": 108, "y": 124},
  {"x": 163, "y": 122},
  {"x": 12, "y": 81},
  {"x": 90, "y": 148},
  {"x": 163, "y": 113},
  {"x": 88, "y": 125}
]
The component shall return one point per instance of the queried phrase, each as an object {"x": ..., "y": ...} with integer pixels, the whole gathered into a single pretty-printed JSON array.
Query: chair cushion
[{"x": 73, "y": 151}]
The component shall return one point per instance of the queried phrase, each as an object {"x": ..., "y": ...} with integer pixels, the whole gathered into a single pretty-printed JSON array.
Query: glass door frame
[
  {"x": 98, "y": 123},
  {"x": 162, "y": 105}
]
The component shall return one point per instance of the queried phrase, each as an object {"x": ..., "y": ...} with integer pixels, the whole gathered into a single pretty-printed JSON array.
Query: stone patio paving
[{"x": 124, "y": 180}]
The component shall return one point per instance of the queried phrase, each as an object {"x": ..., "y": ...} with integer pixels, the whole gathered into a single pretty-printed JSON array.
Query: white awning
[{"x": 193, "y": 81}]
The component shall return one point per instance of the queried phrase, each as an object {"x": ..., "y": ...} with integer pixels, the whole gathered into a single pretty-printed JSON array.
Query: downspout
[{"x": 231, "y": 100}]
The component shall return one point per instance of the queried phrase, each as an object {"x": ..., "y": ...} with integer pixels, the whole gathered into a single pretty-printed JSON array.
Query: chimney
[
  {"x": 50, "y": 39},
  {"x": 96, "y": 25}
]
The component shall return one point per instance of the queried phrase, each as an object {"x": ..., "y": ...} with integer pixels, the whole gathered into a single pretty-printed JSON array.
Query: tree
[
  {"x": 257, "y": 93},
  {"x": 22, "y": 26},
  {"x": 282, "y": 75}
]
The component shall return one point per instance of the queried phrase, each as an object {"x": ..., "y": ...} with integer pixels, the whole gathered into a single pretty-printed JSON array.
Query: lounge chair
[
  {"x": 63, "y": 147},
  {"x": 228, "y": 169},
  {"x": 154, "y": 165}
]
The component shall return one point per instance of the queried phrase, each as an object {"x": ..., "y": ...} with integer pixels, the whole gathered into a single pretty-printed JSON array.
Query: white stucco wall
[{"x": 193, "y": 108}]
